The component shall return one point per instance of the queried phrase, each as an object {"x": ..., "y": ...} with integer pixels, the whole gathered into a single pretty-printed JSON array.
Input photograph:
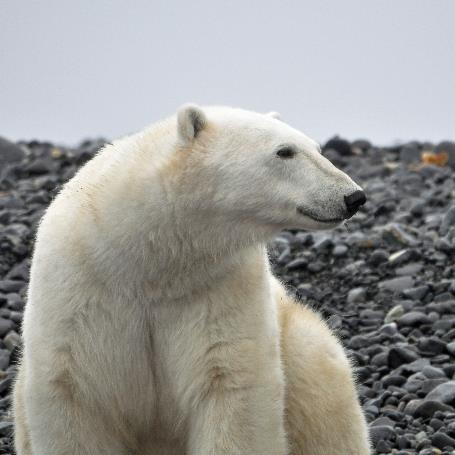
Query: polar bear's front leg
[
  {"x": 323, "y": 413},
  {"x": 240, "y": 421},
  {"x": 59, "y": 425}
]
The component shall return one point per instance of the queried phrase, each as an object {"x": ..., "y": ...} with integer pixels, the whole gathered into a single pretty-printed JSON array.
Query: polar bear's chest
[{"x": 222, "y": 338}]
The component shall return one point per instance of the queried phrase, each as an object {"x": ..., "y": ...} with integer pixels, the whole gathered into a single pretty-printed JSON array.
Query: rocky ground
[{"x": 385, "y": 281}]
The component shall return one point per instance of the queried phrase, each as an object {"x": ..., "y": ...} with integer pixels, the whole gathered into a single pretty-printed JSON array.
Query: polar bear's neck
[
  {"x": 142, "y": 232},
  {"x": 188, "y": 253}
]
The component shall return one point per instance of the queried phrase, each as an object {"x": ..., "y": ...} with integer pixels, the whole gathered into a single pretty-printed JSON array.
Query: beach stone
[
  {"x": 397, "y": 284},
  {"x": 395, "y": 313},
  {"x": 445, "y": 393},
  {"x": 413, "y": 318},
  {"x": 9, "y": 153}
]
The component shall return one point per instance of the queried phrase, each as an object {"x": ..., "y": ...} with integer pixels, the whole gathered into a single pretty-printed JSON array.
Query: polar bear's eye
[{"x": 286, "y": 152}]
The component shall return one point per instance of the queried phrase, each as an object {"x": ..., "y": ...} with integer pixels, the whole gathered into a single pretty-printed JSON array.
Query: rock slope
[{"x": 385, "y": 280}]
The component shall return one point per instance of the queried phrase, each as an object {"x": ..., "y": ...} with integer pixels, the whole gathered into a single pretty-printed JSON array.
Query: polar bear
[{"x": 153, "y": 323}]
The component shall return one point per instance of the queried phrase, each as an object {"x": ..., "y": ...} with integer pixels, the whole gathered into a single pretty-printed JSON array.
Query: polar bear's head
[{"x": 255, "y": 168}]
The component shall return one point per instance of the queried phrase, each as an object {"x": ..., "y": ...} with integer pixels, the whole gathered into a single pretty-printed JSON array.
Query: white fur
[{"x": 152, "y": 323}]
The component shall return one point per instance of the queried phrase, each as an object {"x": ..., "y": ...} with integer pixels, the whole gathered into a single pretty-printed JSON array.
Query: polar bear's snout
[
  {"x": 354, "y": 201},
  {"x": 331, "y": 198}
]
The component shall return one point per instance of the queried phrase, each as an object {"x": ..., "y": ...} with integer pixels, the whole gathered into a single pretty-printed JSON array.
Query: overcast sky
[{"x": 379, "y": 69}]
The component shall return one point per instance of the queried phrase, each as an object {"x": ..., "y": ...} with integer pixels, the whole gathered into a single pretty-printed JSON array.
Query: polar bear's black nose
[{"x": 354, "y": 201}]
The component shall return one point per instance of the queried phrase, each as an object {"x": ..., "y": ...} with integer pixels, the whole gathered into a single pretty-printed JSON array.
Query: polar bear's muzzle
[{"x": 352, "y": 204}]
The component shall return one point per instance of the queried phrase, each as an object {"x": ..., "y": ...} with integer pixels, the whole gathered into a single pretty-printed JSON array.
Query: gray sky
[{"x": 380, "y": 69}]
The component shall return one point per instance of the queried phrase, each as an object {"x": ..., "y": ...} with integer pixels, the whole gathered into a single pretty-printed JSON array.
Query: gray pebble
[
  {"x": 381, "y": 432},
  {"x": 445, "y": 393},
  {"x": 356, "y": 295},
  {"x": 399, "y": 355},
  {"x": 395, "y": 313},
  {"x": 433, "y": 373},
  {"x": 397, "y": 284},
  {"x": 442, "y": 440},
  {"x": 340, "y": 250},
  {"x": 414, "y": 318},
  {"x": 12, "y": 340},
  {"x": 448, "y": 221},
  {"x": 417, "y": 293},
  {"x": 5, "y": 326},
  {"x": 11, "y": 286}
]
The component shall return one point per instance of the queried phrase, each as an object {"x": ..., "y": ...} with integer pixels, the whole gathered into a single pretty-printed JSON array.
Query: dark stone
[
  {"x": 4, "y": 359},
  {"x": 341, "y": 146},
  {"x": 6, "y": 429},
  {"x": 381, "y": 432},
  {"x": 403, "y": 442},
  {"x": 409, "y": 269},
  {"x": 5, "y": 384},
  {"x": 9, "y": 153},
  {"x": 12, "y": 341},
  {"x": 448, "y": 221},
  {"x": 414, "y": 318},
  {"x": 397, "y": 284},
  {"x": 393, "y": 380},
  {"x": 445, "y": 393},
  {"x": 380, "y": 359},
  {"x": 358, "y": 341},
  {"x": 436, "y": 424},
  {"x": 361, "y": 144},
  {"x": 15, "y": 302},
  {"x": 19, "y": 272},
  {"x": 429, "y": 384},
  {"x": 410, "y": 153},
  {"x": 323, "y": 244},
  {"x": 316, "y": 266},
  {"x": 10, "y": 285},
  {"x": 382, "y": 447},
  {"x": 381, "y": 421},
  {"x": 399, "y": 355},
  {"x": 412, "y": 406},
  {"x": 356, "y": 295},
  {"x": 5, "y": 326},
  {"x": 449, "y": 148},
  {"x": 433, "y": 373},
  {"x": 378, "y": 257},
  {"x": 40, "y": 166},
  {"x": 417, "y": 293},
  {"x": 442, "y": 440},
  {"x": 395, "y": 233},
  {"x": 431, "y": 345}
]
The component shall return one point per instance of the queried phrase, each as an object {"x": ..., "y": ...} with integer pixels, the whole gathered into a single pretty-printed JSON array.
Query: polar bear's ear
[
  {"x": 273, "y": 114},
  {"x": 190, "y": 121}
]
